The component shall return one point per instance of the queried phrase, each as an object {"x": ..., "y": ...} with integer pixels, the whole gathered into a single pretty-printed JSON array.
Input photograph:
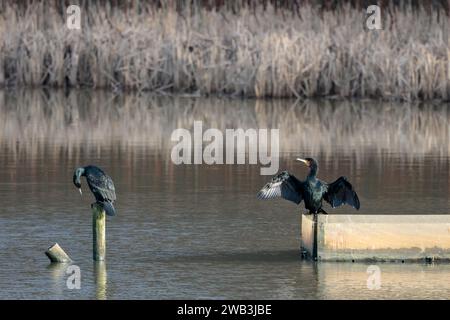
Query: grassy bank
[{"x": 256, "y": 51}]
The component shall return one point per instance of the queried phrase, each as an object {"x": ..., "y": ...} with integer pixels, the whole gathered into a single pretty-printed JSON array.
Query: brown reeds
[{"x": 254, "y": 50}]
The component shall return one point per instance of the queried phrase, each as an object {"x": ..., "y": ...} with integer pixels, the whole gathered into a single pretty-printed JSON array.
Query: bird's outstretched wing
[
  {"x": 341, "y": 192},
  {"x": 282, "y": 185}
]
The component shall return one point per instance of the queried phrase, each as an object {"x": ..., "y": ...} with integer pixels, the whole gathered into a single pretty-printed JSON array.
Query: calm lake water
[{"x": 198, "y": 231}]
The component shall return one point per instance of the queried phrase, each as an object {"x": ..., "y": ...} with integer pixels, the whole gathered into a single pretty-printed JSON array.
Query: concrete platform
[{"x": 376, "y": 237}]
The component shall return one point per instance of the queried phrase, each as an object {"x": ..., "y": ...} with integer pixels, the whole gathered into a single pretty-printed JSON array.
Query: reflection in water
[
  {"x": 199, "y": 230},
  {"x": 58, "y": 276},
  {"x": 100, "y": 280},
  {"x": 413, "y": 280},
  {"x": 85, "y": 118}
]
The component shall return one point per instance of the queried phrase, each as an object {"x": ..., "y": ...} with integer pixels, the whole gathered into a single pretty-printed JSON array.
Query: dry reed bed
[
  {"x": 254, "y": 53},
  {"x": 31, "y": 120}
]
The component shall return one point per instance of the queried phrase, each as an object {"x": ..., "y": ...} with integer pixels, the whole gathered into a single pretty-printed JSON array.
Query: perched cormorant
[
  {"x": 101, "y": 186},
  {"x": 311, "y": 191}
]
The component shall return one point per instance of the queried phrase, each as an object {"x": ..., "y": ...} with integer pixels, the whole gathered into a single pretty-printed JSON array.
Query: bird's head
[
  {"x": 77, "y": 178},
  {"x": 310, "y": 162}
]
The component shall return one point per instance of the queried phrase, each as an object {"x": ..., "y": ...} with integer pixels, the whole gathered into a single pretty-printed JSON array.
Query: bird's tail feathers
[{"x": 109, "y": 208}]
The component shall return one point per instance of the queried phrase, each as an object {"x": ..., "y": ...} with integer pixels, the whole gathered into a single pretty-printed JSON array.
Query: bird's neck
[{"x": 312, "y": 173}]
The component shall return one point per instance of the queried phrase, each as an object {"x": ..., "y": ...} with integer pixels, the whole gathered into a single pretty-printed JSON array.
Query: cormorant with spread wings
[{"x": 312, "y": 191}]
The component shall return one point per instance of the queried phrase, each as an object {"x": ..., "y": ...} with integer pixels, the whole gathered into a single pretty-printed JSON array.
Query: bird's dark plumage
[
  {"x": 341, "y": 192},
  {"x": 312, "y": 191},
  {"x": 282, "y": 185},
  {"x": 100, "y": 184}
]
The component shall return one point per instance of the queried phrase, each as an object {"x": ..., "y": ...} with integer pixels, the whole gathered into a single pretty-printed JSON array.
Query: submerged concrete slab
[{"x": 376, "y": 237}]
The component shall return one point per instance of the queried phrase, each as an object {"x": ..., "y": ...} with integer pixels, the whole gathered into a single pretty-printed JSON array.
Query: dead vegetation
[{"x": 251, "y": 50}]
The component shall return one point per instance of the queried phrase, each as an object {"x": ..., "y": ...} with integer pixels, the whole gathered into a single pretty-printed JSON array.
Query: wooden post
[
  {"x": 98, "y": 229},
  {"x": 100, "y": 279},
  {"x": 310, "y": 236},
  {"x": 316, "y": 226},
  {"x": 56, "y": 254}
]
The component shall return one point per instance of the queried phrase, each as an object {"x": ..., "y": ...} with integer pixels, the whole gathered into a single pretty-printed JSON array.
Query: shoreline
[{"x": 218, "y": 96}]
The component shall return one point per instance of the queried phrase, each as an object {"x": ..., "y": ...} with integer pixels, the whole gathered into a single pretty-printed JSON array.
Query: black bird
[
  {"x": 101, "y": 186},
  {"x": 312, "y": 191}
]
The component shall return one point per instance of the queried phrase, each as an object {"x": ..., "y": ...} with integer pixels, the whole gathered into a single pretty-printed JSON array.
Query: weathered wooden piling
[
  {"x": 100, "y": 280},
  {"x": 99, "y": 232},
  {"x": 57, "y": 255}
]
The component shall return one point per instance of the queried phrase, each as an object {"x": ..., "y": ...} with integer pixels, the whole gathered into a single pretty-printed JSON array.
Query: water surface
[{"x": 198, "y": 231}]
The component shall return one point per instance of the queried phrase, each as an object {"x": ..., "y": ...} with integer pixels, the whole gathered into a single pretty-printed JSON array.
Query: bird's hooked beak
[
  {"x": 303, "y": 160},
  {"x": 81, "y": 192}
]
